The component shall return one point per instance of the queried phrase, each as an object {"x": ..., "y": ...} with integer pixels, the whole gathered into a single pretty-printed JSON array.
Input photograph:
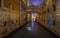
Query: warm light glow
[{"x": 48, "y": 2}]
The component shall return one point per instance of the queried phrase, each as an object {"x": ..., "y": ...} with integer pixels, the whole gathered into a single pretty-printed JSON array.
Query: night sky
[{"x": 36, "y": 2}]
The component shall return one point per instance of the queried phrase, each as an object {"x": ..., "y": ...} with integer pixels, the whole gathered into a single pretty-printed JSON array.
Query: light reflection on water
[
  {"x": 29, "y": 28},
  {"x": 32, "y": 27}
]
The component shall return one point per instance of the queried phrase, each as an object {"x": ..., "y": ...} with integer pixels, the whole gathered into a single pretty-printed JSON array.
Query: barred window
[
  {"x": 54, "y": 7},
  {"x": 48, "y": 10},
  {"x": 0, "y": 3},
  {"x": 6, "y": 3}
]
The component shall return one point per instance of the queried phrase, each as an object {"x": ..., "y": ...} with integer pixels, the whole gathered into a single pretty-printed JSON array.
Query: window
[
  {"x": 0, "y": 3},
  {"x": 48, "y": 10},
  {"x": 54, "y": 7},
  {"x": 6, "y": 3}
]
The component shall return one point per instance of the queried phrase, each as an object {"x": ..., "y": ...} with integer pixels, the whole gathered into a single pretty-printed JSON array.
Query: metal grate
[{"x": 0, "y": 3}]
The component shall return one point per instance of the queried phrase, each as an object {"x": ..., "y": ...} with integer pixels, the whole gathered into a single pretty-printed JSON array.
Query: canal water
[{"x": 35, "y": 30}]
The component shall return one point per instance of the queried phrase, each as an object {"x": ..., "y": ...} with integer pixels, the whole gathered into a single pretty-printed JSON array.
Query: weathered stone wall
[{"x": 11, "y": 17}]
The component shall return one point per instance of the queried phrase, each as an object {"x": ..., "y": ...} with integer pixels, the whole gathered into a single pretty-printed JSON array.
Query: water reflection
[
  {"x": 29, "y": 28},
  {"x": 32, "y": 27}
]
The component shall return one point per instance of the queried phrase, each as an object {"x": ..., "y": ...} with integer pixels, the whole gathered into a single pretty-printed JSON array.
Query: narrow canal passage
[{"x": 32, "y": 30}]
